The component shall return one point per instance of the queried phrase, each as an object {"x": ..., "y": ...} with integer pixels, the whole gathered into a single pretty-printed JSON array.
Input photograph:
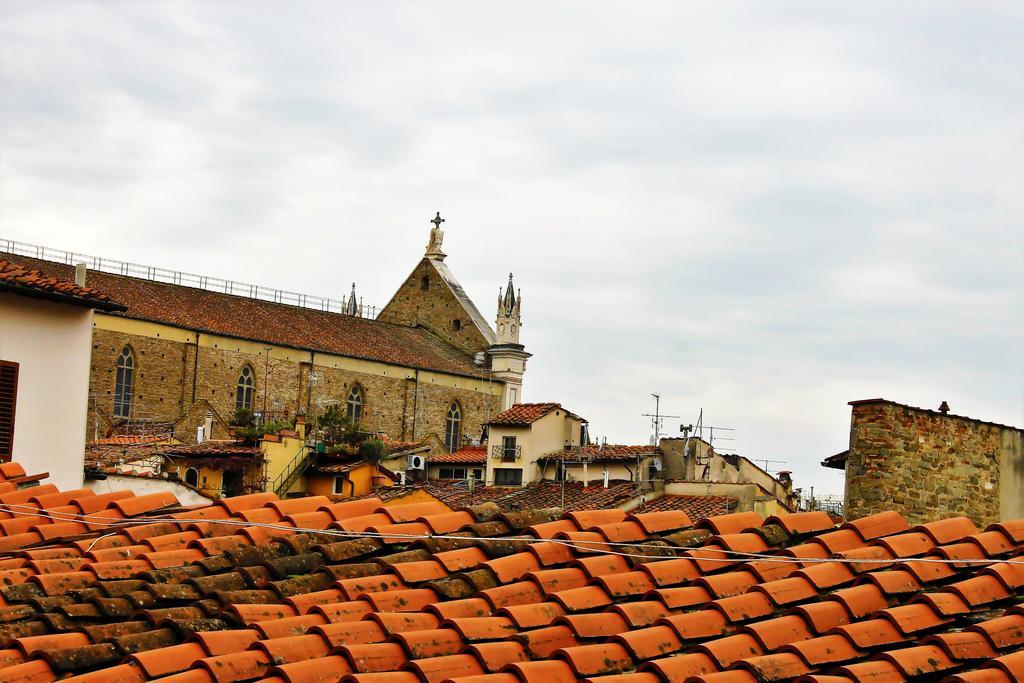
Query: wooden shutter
[{"x": 8, "y": 402}]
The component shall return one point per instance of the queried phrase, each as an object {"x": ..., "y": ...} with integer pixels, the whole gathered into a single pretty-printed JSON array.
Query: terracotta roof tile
[
  {"x": 22, "y": 279},
  {"x": 470, "y": 455},
  {"x": 474, "y": 600},
  {"x": 525, "y": 413}
]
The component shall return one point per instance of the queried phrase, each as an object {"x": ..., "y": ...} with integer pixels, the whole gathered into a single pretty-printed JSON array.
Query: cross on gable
[{"x": 437, "y": 220}]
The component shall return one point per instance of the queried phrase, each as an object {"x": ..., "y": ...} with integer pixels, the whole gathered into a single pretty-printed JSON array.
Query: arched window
[
  {"x": 243, "y": 390},
  {"x": 192, "y": 477},
  {"x": 453, "y": 427},
  {"x": 124, "y": 383},
  {"x": 354, "y": 405}
]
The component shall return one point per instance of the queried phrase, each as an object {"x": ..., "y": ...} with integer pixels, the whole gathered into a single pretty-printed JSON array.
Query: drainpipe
[
  {"x": 415, "y": 397},
  {"x": 309, "y": 381},
  {"x": 195, "y": 371}
]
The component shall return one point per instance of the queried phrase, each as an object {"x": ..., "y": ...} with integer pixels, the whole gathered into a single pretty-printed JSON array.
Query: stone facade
[
  {"x": 403, "y": 403},
  {"x": 427, "y": 299},
  {"x": 928, "y": 465}
]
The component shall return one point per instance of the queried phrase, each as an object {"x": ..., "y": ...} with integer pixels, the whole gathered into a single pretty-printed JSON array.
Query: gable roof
[
  {"x": 527, "y": 413},
  {"x": 255, "y": 319},
  {"x": 254, "y": 588},
  {"x": 20, "y": 279}
]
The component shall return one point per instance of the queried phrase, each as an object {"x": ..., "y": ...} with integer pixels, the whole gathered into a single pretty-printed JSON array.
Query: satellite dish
[{"x": 657, "y": 464}]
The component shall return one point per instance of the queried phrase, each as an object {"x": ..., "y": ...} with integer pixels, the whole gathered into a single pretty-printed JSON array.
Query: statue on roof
[{"x": 436, "y": 237}]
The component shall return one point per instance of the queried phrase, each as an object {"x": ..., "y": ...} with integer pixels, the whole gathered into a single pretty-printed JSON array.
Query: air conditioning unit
[
  {"x": 416, "y": 462},
  {"x": 401, "y": 478}
]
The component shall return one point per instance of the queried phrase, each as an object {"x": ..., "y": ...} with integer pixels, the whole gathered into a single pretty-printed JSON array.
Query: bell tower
[
  {"x": 508, "y": 321},
  {"x": 508, "y": 357}
]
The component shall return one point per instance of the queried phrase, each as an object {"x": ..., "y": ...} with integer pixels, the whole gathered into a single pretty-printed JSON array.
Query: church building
[{"x": 428, "y": 365}]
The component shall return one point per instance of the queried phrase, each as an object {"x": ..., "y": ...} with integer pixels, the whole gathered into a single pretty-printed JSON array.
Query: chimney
[
  {"x": 586, "y": 476},
  {"x": 944, "y": 408},
  {"x": 80, "y": 274},
  {"x": 786, "y": 479},
  {"x": 208, "y": 425}
]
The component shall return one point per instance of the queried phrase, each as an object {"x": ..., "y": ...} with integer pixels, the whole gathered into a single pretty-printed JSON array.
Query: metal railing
[
  {"x": 292, "y": 471},
  {"x": 506, "y": 453},
  {"x": 344, "y": 305}
]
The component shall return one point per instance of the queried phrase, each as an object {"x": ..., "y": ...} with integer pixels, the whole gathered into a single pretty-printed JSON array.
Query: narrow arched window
[
  {"x": 453, "y": 427},
  {"x": 354, "y": 405},
  {"x": 124, "y": 383},
  {"x": 243, "y": 390},
  {"x": 192, "y": 477}
]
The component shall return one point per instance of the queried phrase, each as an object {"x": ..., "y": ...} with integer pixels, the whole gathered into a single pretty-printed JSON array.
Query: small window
[
  {"x": 508, "y": 448},
  {"x": 192, "y": 476},
  {"x": 452, "y": 473},
  {"x": 124, "y": 383},
  {"x": 339, "y": 485},
  {"x": 456, "y": 325},
  {"x": 453, "y": 427},
  {"x": 8, "y": 405},
  {"x": 354, "y": 404},
  {"x": 478, "y": 474},
  {"x": 508, "y": 477},
  {"x": 243, "y": 390},
  {"x": 425, "y": 283}
]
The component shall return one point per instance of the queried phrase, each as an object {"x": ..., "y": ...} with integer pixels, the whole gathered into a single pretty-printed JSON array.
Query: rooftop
[
  {"x": 242, "y": 317},
  {"x": 468, "y": 455},
  {"x": 120, "y": 587},
  {"x": 522, "y": 414},
  {"x": 33, "y": 282},
  {"x": 214, "y": 448},
  {"x": 605, "y": 453}
]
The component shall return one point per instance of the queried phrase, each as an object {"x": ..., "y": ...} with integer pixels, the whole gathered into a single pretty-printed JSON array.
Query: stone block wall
[
  {"x": 167, "y": 372},
  {"x": 425, "y": 300},
  {"x": 926, "y": 465}
]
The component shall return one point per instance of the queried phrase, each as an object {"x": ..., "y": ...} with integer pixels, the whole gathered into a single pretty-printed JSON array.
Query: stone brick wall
[
  {"x": 425, "y": 300},
  {"x": 163, "y": 386},
  {"x": 924, "y": 465}
]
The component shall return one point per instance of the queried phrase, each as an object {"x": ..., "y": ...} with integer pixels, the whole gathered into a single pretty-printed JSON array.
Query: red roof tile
[
  {"x": 477, "y": 596},
  {"x": 522, "y": 414},
  {"x": 470, "y": 455},
  {"x": 604, "y": 453},
  {"x": 20, "y": 279}
]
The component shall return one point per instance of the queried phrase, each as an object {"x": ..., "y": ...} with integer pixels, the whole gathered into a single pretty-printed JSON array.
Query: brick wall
[
  {"x": 163, "y": 385},
  {"x": 925, "y": 465},
  {"x": 433, "y": 307}
]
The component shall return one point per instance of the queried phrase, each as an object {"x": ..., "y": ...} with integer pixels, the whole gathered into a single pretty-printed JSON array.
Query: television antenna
[{"x": 657, "y": 419}]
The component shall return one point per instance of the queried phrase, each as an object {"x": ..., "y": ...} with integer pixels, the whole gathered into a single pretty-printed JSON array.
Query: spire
[
  {"x": 509, "y": 302},
  {"x": 508, "y": 321},
  {"x": 436, "y": 238},
  {"x": 350, "y": 306}
]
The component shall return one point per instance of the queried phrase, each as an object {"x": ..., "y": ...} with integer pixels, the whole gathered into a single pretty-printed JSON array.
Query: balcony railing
[{"x": 506, "y": 453}]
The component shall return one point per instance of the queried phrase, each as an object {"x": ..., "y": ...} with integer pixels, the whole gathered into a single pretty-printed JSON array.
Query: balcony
[{"x": 506, "y": 453}]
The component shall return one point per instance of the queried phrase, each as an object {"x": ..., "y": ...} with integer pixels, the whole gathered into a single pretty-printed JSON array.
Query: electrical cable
[{"x": 587, "y": 547}]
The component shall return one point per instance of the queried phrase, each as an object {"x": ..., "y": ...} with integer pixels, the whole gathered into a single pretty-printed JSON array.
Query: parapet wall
[{"x": 928, "y": 466}]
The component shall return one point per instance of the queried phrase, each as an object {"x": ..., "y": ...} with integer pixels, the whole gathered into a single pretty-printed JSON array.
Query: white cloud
[{"x": 761, "y": 209}]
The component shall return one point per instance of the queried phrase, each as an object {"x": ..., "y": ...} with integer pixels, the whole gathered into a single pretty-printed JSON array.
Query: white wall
[
  {"x": 52, "y": 343},
  {"x": 143, "y": 485}
]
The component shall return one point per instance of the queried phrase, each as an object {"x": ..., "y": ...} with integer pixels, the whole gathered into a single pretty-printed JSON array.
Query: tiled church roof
[
  {"x": 245, "y": 318},
  {"x": 143, "y": 589},
  {"x": 18, "y": 278}
]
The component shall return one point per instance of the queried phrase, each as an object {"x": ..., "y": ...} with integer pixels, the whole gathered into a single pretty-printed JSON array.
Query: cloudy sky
[{"x": 764, "y": 210}]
